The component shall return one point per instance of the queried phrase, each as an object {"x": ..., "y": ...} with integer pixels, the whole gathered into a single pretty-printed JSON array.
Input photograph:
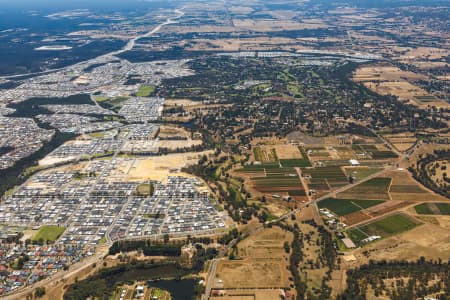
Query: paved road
[{"x": 211, "y": 275}]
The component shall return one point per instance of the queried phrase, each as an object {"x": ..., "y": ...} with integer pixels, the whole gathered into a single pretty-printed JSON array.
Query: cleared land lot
[
  {"x": 160, "y": 167},
  {"x": 384, "y": 227}
]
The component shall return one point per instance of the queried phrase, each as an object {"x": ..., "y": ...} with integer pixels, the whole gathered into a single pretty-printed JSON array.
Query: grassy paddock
[{"x": 384, "y": 227}]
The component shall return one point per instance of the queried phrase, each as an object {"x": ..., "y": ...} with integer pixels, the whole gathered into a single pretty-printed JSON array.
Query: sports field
[
  {"x": 346, "y": 206},
  {"x": 384, "y": 227},
  {"x": 49, "y": 233}
]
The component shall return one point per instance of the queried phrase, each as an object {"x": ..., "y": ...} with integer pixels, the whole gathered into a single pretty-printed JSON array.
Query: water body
[{"x": 179, "y": 289}]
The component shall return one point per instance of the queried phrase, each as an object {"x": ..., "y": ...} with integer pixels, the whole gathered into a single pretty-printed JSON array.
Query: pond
[{"x": 179, "y": 289}]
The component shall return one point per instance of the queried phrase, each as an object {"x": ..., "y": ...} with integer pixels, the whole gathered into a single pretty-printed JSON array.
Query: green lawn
[
  {"x": 145, "y": 91},
  {"x": 49, "y": 233},
  {"x": 346, "y": 206}
]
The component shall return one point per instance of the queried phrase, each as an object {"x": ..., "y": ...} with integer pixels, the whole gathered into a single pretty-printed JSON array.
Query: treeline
[
  {"x": 421, "y": 170},
  {"x": 102, "y": 284},
  {"x": 326, "y": 257},
  {"x": 410, "y": 280},
  {"x": 148, "y": 248}
]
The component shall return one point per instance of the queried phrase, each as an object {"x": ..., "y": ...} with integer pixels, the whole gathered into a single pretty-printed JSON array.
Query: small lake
[{"x": 179, "y": 289}]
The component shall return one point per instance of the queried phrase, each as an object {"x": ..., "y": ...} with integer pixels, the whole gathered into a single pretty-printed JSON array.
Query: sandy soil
[{"x": 160, "y": 167}]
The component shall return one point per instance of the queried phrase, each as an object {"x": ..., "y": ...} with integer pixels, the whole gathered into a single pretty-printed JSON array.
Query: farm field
[
  {"x": 295, "y": 163},
  {"x": 386, "y": 207},
  {"x": 264, "y": 155},
  {"x": 405, "y": 188},
  {"x": 346, "y": 206},
  {"x": 326, "y": 178},
  {"x": 441, "y": 208},
  {"x": 377, "y": 152},
  {"x": 384, "y": 227},
  {"x": 271, "y": 177},
  {"x": 375, "y": 188},
  {"x": 49, "y": 233}
]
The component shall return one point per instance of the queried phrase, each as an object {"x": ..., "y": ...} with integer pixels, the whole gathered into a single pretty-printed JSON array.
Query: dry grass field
[
  {"x": 428, "y": 240},
  {"x": 287, "y": 151},
  {"x": 249, "y": 294},
  {"x": 262, "y": 262},
  {"x": 390, "y": 80}
]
